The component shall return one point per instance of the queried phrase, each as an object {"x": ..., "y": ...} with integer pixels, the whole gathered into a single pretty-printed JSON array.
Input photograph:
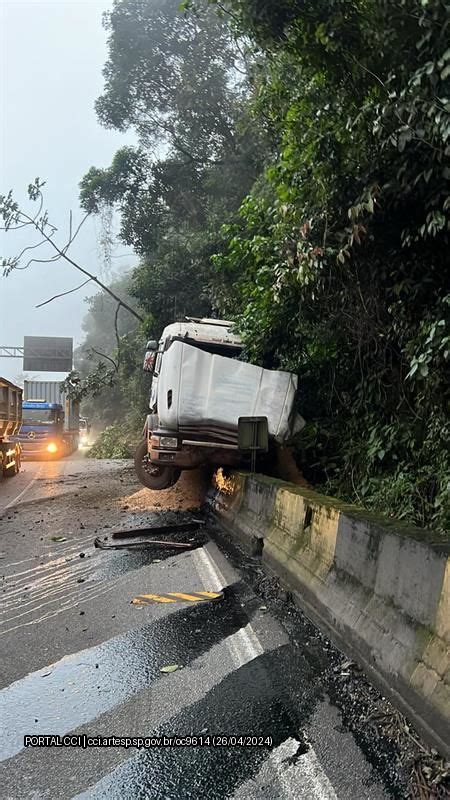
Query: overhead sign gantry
[{"x": 43, "y": 353}]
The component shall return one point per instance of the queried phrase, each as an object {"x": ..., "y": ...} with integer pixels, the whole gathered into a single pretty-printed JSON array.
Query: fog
[{"x": 52, "y": 54}]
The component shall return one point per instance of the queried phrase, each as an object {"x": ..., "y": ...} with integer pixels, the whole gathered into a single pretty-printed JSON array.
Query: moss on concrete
[{"x": 375, "y": 520}]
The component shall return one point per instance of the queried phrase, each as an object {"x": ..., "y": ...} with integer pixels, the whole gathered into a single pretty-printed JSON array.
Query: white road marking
[
  {"x": 15, "y": 704},
  {"x": 244, "y": 645},
  {"x": 21, "y": 494},
  {"x": 209, "y": 571},
  {"x": 302, "y": 779},
  {"x": 305, "y": 779}
]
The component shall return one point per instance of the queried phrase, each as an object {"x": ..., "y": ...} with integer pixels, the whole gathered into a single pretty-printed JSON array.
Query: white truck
[{"x": 200, "y": 390}]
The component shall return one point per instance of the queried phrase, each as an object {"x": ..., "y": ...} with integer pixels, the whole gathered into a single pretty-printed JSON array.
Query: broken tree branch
[
  {"x": 108, "y": 358},
  {"x": 15, "y": 218},
  {"x": 62, "y": 294}
]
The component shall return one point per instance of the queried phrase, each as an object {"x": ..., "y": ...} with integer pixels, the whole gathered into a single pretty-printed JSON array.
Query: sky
[{"x": 51, "y": 59}]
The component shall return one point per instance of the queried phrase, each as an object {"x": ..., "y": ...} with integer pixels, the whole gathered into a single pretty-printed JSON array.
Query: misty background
[{"x": 52, "y": 55}]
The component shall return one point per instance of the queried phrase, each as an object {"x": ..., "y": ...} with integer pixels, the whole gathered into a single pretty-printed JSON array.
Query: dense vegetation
[{"x": 292, "y": 174}]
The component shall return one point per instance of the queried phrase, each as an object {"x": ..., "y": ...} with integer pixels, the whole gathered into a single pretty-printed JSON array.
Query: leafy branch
[{"x": 16, "y": 218}]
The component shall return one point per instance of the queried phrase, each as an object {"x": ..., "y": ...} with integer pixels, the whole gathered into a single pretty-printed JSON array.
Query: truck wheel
[{"x": 151, "y": 475}]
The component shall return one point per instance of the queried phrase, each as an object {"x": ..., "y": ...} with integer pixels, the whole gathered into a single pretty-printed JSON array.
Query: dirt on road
[{"x": 188, "y": 494}]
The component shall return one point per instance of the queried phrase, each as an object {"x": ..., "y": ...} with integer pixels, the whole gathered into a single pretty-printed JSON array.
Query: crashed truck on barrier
[{"x": 200, "y": 391}]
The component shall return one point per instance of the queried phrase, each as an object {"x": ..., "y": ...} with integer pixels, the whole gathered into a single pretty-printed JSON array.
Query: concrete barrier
[{"x": 380, "y": 588}]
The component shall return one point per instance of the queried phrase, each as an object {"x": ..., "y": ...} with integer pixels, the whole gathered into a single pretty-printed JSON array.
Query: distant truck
[
  {"x": 10, "y": 420},
  {"x": 85, "y": 429},
  {"x": 200, "y": 391},
  {"x": 50, "y": 421}
]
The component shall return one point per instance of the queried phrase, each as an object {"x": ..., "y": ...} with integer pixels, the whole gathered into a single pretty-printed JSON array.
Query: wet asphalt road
[{"x": 77, "y": 657}]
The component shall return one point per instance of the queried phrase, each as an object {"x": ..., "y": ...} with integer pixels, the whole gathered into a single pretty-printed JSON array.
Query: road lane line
[
  {"x": 298, "y": 777},
  {"x": 245, "y": 645},
  {"x": 304, "y": 779},
  {"x": 21, "y": 494},
  {"x": 208, "y": 570},
  {"x": 111, "y": 664}
]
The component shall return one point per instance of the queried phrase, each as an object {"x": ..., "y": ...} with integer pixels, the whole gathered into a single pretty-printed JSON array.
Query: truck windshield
[{"x": 38, "y": 416}]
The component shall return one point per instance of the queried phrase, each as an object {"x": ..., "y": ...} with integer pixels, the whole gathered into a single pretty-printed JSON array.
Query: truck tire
[{"x": 153, "y": 476}]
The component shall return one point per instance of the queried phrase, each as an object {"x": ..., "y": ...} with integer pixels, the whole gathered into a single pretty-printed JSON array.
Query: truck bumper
[
  {"x": 191, "y": 458},
  {"x": 38, "y": 453}
]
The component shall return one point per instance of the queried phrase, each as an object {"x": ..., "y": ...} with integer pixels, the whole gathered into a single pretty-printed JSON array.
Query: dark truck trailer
[
  {"x": 50, "y": 421},
  {"x": 10, "y": 420}
]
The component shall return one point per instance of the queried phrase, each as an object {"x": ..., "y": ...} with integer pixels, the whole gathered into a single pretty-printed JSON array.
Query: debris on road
[
  {"x": 144, "y": 543},
  {"x": 412, "y": 769},
  {"x": 382, "y": 727},
  {"x": 170, "y": 668},
  {"x": 187, "y": 495},
  {"x": 178, "y": 531},
  {"x": 160, "y": 529}
]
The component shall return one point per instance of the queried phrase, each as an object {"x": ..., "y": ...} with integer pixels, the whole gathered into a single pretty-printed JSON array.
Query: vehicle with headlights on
[
  {"x": 85, "y": 430},
  {"x": 10, "y": 419},
  {"x": 50, "y": 422}
]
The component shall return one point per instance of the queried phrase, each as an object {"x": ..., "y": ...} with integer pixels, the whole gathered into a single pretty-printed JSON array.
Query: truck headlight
[
  {"x": 51, "y": 448},
  {"x": 171, "y": 442}
]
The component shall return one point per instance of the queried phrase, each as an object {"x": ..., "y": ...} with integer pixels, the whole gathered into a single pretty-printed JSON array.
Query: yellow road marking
[
  {"x": 193, "y": 598},
  {"x": 156, "y": 598},
  {"x": 173, "y": 597}
]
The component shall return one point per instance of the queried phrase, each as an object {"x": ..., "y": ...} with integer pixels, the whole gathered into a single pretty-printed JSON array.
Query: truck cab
[
  {"x": 42, "y": 431},
  {"x": 211, "y": 335},
  {"x": 201, "y": 393}
]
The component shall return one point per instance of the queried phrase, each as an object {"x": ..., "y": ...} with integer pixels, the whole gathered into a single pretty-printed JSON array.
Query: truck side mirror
[
  {"x": 150, "y": 356},
  {"x": 149, "y": 361}
]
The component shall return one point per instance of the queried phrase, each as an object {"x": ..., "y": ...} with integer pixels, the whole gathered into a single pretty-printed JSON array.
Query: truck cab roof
[{"x": 214, "y": 332}]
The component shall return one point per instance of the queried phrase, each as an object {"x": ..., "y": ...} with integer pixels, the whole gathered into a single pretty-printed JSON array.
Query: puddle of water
[
  {"x": 80, "y": 687},
  {"x": 262, "y": 699}
]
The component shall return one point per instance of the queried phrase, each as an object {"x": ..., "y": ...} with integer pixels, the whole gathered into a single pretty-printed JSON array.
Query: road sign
[{"x": 47, "y": 353}]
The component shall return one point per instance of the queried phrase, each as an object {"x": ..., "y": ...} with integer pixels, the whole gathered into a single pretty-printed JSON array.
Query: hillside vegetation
[{"x": 292, "y": 174}]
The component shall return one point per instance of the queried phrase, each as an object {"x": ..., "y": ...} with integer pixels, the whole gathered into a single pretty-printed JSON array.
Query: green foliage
[
  {"x": 163, "y": 67},
  {"x": 178, "y": 81},
  {"x": 307, "y": 199},
  {"x": 112, "y": 442},
  {"x": 340, "y": 253}
]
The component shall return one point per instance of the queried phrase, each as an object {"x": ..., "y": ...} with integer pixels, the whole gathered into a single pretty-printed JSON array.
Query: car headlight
[
  {"x": 52, "y": 448},
  {"x": 168, "y": 441}
]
